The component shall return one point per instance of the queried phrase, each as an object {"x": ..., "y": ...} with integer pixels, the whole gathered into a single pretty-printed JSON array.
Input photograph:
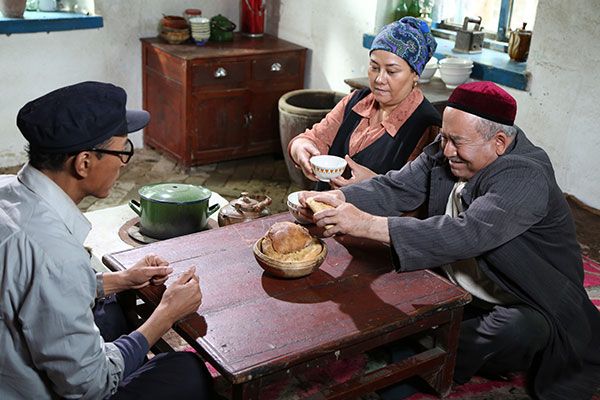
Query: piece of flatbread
[{"x": 317, "y": 206}]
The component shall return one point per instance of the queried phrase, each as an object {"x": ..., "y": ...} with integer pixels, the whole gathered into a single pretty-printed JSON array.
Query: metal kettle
[{"x": 518, "y": 44}]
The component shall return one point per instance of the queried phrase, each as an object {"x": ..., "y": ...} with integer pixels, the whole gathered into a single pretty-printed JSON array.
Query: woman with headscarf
[{"x": 381, "y": 128}]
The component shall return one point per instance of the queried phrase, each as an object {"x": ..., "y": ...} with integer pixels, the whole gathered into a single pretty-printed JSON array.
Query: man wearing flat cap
[
  {"x": 498, "y": 226},
  {"x": 55, "y": 311}
]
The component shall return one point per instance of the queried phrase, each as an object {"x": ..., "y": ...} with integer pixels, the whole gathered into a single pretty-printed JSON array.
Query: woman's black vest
[{"x": 386, "y": 153}]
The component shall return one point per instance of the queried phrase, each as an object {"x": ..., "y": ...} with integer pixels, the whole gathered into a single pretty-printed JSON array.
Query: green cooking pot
[{"x": 167, "y": 210}]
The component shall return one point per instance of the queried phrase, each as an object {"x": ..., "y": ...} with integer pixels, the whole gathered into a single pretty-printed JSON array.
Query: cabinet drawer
[
  {"x": 230, "y": 74},
  {"x": 276, "y": 66}
]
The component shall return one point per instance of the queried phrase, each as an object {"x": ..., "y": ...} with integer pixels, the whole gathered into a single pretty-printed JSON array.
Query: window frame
[{"x": 502, "y": 29}]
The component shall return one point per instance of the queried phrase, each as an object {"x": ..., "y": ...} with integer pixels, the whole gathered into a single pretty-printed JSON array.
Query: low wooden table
[{"x": 254, "y": 328}]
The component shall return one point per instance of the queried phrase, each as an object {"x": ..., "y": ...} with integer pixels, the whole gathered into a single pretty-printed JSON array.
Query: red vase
[{"x": 253, "y": 17}]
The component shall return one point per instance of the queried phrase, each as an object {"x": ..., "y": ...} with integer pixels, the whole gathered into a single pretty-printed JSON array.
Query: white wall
[
  {"x": 332, "y": 30},
  {"x": 35, "y": 63},
  {"x": 560, "y": 112}
]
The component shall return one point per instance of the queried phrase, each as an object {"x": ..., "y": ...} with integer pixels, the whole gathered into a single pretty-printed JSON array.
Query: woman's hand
[
  {"x": 301, "y": 151},
  {"x": 359, "y": 173},
  {"x": 150, "y": 270}
]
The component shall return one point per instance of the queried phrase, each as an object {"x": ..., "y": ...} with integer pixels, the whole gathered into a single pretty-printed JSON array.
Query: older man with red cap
[{"x": 498, "y": 226}]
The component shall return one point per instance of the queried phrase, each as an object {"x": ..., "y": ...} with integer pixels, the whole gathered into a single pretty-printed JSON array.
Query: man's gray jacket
[{"x": 518, "y": 226}]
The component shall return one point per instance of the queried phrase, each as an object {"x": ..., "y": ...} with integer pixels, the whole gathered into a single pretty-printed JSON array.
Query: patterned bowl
[
  {"x": 327, "y": 167},
  {"x": 293, "y": 204}
]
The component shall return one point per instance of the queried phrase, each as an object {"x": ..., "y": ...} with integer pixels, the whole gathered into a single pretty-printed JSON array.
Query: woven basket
[{"x": 288, "y": 269}]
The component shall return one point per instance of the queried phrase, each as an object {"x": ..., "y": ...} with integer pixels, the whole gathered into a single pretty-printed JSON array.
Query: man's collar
[
  {"x": 513, "y": 143},
  {"x": 57, "y": 199}
]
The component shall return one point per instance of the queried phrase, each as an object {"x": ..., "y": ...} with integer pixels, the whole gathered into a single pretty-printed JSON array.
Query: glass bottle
[
  {"x": 401, "y": 10},
  {"x": 413, "y": 8},
  {"x": 31, "y": 5},
  {"x": 426, "y": 10}
]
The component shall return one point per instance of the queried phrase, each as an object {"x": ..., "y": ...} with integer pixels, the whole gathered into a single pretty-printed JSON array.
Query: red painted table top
[{"x": 251, "y": 324}]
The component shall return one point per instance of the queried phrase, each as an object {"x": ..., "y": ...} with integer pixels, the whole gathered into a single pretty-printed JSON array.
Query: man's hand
[
  {"x": 305, "y": 210},
  {"x": 346, "y": 219},
  {"x": 359, "y": 173},
  {"x": 150, "y": 270},
  {"x": 301, "y": 151},
  {"x": 181, "y": 298}
]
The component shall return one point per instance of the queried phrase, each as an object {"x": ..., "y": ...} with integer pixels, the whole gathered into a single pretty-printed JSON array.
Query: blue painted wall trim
[
  {"x": 36, "y": 21},
  {"x": 489, "y": 65}
]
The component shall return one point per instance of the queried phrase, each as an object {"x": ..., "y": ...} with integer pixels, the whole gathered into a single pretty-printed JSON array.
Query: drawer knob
[
  {"x": 275, "y": 67},
  {"x": 247, "y": 120},
  {"x": 220, "y": 73}
]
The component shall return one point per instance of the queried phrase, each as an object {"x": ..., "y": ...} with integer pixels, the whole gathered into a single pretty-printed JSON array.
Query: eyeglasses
[{"x": 124, "y": 155}]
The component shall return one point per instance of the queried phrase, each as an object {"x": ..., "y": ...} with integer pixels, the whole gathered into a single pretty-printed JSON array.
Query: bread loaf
[
  {"x": 317, "y": 206},
  {"x": 288, "y": 237},
  {"x": 286, "y": 241}
]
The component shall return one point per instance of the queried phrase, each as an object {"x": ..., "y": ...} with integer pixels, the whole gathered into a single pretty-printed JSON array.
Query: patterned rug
[
  {"x": 301, "y": 387},
  {"x": 591, "y": 282}
]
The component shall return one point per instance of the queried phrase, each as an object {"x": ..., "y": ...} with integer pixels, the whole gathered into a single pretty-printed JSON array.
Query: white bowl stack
[
  {"x": 429, "y": 70},
  {"x": 455, "y": 71},
  {"x": 200, "y": 28}
]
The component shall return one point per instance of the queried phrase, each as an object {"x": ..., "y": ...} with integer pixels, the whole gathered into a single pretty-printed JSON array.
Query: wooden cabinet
[{"x": 219, "y": 101}]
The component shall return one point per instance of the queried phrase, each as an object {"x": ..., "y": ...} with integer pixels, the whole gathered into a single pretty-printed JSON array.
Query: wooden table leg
[
  {"x": 446, "y": 337},
  {"x": 245, "y": 391}
]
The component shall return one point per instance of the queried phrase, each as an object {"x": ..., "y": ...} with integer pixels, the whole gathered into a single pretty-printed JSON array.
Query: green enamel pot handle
[
  {"x": 212, "y": 209},
  {"x": 136, "y": 207}
]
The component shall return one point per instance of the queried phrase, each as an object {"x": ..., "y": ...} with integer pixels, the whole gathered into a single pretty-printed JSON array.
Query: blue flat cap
[{"x": 78, "y": 117}]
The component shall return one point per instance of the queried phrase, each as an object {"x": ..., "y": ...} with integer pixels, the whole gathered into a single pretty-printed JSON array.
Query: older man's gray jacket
[{"x": 518, "y": 226}]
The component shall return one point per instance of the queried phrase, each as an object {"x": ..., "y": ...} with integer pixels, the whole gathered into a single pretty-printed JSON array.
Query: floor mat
[{"x": 591, "y": 280}]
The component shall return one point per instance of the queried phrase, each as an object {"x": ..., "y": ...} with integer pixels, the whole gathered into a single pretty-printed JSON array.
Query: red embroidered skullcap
[{"x": 486, "y": 100}]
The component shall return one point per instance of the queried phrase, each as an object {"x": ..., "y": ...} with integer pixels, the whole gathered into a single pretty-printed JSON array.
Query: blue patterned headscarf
[{"x": 408, "y": 38}]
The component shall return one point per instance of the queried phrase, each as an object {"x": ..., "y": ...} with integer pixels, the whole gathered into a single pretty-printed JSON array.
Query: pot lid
[{"x": 174, "y": 193}]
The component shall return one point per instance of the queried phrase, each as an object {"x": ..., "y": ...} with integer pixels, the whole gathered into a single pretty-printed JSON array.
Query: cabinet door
[
  {"x": 220, "y": 122},
  {"x": 273, "y": 75},
  {"x": 264, "y": 132}
]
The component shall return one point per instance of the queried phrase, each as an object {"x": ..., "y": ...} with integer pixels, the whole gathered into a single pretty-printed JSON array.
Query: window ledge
[
  {"x": 37, "y": 21},
  {"x": 489, "y": 65}
]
